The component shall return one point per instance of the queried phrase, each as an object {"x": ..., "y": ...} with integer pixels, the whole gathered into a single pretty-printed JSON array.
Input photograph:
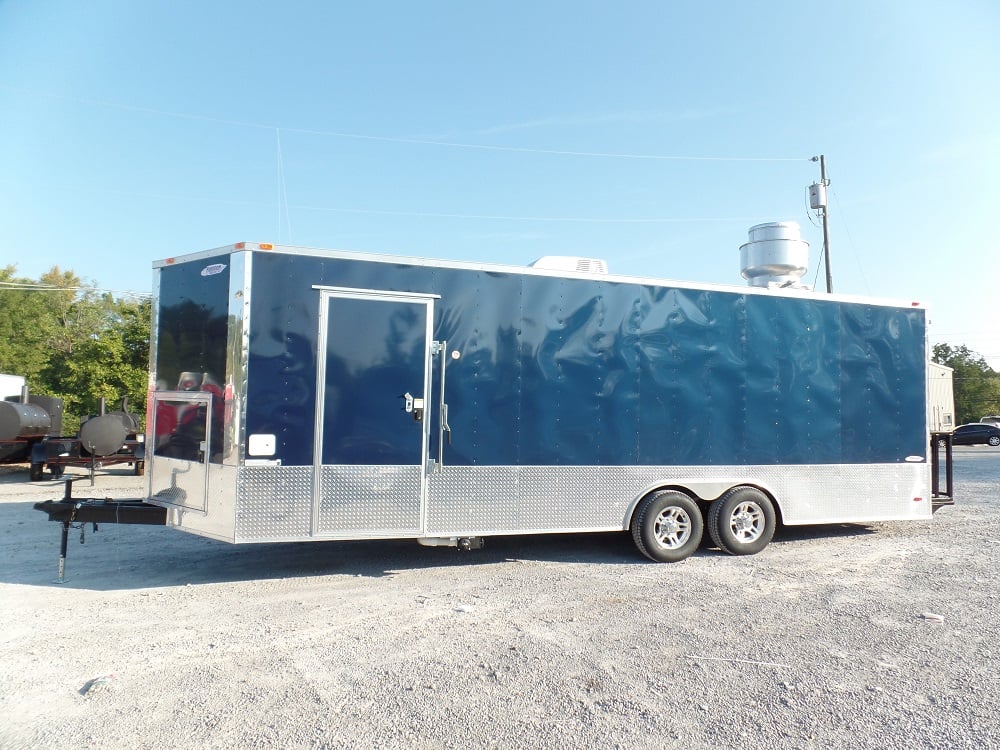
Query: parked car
[{"x": 976, "y": 433}]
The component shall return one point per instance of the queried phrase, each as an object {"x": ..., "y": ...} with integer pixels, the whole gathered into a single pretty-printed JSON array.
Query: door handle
[{"x": 440, "y": 349}]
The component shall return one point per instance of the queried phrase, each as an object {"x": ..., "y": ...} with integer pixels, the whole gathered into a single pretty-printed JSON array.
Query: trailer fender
[{"x": 649, "y": 490}]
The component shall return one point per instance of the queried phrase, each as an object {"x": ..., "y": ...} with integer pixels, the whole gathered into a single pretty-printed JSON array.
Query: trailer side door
[{"x": 372, "y": 418}]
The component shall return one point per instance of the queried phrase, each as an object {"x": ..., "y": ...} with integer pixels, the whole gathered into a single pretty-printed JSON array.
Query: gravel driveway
[{"x": 878, "y": 636}]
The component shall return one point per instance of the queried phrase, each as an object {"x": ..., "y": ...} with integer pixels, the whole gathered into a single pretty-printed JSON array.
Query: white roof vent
[{"x": 571, "y": 263}]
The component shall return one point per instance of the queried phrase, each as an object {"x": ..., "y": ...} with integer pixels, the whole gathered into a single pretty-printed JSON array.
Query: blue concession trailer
[{"x": 301, "y": 394}]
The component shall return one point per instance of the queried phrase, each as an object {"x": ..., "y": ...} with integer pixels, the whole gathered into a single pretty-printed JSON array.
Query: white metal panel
[{"x": 494, "y": 500}]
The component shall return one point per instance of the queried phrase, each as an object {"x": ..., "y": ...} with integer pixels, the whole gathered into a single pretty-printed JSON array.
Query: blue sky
[{"x": 651, "y": 134}]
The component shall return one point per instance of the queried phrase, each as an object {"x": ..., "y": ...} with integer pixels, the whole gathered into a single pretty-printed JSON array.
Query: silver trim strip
[
  {"x": 531, "y": 271},
  {"x": 238, "y": 357},
  {"x": 346, "y": 292}
]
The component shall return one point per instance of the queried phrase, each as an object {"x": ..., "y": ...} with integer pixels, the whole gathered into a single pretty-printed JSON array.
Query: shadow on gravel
[
  {"x": 821, "y": 531},
  {"x": 18, "y": 474},
  {"x": 132, "y": 557}
]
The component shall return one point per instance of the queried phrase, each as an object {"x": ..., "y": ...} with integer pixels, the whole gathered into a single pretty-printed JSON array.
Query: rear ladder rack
[{"x": 941, "y": 498}]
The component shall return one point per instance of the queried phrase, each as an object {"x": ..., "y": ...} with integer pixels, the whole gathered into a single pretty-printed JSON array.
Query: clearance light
[
  {"x": 266, "y": 246},
  {"x": 917, "y": 499},
  {"x": 170, "y": 261},
  {"x": 240, "y": 245}
]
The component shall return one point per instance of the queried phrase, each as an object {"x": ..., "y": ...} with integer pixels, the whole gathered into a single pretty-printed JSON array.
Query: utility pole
[{"x": 817, "y": 201}]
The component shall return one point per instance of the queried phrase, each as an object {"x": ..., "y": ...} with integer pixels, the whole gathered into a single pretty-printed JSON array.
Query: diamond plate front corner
[{"x": 274, "y": 503}]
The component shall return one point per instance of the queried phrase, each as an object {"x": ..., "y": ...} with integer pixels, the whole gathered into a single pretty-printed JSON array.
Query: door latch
[{"x": 414, "y": 406}]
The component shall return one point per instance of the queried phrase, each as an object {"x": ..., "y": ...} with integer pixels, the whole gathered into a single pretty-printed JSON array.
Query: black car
[{"x": 976, "y": 433}]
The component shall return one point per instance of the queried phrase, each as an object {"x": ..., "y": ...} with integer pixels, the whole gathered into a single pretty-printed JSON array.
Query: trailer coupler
[{"x": 78, "y": 512}]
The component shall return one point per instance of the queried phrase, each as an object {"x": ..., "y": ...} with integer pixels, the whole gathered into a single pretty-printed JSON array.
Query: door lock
[{"x": 414, "y": 406}]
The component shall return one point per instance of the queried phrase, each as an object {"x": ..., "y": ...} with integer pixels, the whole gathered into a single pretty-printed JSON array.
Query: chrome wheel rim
[
  {"x": 747, "y": 522},
  {"x": 672, "y": 528}
]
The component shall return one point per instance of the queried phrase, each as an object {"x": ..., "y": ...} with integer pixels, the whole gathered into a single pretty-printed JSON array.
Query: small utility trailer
[
  {"x": 57, "y": 453},
  {"x": 301, "y": 394},
  {"x": 30, "y": 432},
  {"x": 107, "y": 439}
]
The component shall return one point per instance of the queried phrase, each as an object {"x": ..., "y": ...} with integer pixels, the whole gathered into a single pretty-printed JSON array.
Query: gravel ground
[{"x": 821, "y": 641}]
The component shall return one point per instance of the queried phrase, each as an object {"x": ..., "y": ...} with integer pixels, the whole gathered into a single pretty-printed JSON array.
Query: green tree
[
  {"x": 28, "y": 322},
  {"x": 71, "y": 342},
  {"x": 977, "y": 385}
]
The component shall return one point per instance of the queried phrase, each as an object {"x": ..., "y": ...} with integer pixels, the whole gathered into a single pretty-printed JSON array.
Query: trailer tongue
[{"x": 78, "y": 512}]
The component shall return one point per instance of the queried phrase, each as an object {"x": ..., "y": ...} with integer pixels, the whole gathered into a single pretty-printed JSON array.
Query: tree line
[
  {"x": 977, "y": 385},
  {"x": 69, "y": 340}
]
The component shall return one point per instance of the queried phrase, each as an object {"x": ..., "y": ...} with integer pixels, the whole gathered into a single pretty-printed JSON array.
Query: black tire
[
  {"x": 667, "y": 526},
  {"x": 140, "y": 468},
  {"x": 994, "y": 441},
  {"x": 742, "y": 521},
  {"x": 35, "y": 472}
]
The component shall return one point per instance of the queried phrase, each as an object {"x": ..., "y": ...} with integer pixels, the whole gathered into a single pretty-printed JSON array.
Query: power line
[
  {"x": 282, "y": 189},
  {"x": 854, "y": 249},
  {"x": 499, "y": 217},
  {"x": 424, "y": 214},
  {"x": 399, "y": 139},
  {"x": 31, "y": 287},
  {"x": 555, "y": 152}
]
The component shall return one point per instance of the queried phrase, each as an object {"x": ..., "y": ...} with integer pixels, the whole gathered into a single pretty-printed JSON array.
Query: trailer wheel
[
  {"x": 742, "y": 521},
  {"x": 140, "y": 468},
  {"x": 35, "y": 472},
  {"x": 667, "y": 526}
]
